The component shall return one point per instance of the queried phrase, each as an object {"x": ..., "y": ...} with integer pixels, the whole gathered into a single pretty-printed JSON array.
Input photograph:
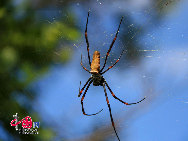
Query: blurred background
[{"x": 40, "y": 47}]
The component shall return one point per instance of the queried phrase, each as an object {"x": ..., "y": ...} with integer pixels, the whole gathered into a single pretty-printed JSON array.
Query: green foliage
[{"x": 27, "y": 48}]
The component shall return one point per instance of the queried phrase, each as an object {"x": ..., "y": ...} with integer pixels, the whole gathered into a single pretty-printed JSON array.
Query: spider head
[{"x": 97, "y": 79}]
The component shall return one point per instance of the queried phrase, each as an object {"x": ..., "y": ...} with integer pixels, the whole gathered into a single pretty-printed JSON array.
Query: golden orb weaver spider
[{"x": 97, "y": 78}]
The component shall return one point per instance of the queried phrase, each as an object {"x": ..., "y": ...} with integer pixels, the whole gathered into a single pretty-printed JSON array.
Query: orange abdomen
[{"x": 95, "y": 64}]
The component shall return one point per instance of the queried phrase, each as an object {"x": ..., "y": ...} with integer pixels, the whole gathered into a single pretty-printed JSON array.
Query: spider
[{"x": 96, "y": 76}]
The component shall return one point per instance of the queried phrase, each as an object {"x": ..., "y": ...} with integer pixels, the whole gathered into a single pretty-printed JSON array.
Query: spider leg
[
  {"x": 87, "y": 42},
  {"x": 83, "y": 111},
  {"x": 107, "y": 54},
  {"x": 80, "y": 92},
  {"x": 83, "y": 65},
  {"x": 114, "y": 63},
  {"x": 110, "y": 111},
  {"x": 120, "y": 99}
]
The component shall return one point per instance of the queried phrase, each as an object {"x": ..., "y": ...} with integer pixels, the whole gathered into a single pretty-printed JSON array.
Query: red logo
[{"x": 26, "y": 123}]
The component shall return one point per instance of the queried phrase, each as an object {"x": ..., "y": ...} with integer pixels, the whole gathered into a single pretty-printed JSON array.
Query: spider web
[{"x": 140, "y": 77}]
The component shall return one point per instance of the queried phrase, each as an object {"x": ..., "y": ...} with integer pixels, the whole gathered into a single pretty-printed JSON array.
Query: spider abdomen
[{"x": 95, "y": 64}]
